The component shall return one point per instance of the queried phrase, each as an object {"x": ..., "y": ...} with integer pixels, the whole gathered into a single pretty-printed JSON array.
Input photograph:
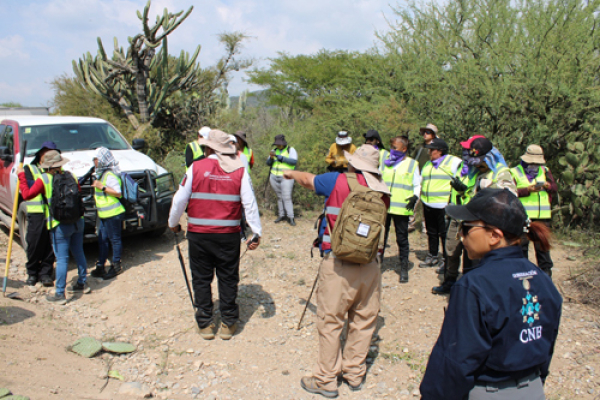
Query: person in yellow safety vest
[
  {"x": 242, "y": 145},
  {"x": 535, "y": 186},
  {"x": 372, "y": 137},
  {"x": 492, "y": 172},
  {"x": 335, "y": 158},
  {"x": 401, "y": 175},
  {"x": 435, "y": 195},
  {"x": 193, "y": 150},
  {"x": 282, "y": 158},
  {"x": 66, "y": 237},
  {"x": 40, "y": 256},
  {"x": 107, "y": 191}
]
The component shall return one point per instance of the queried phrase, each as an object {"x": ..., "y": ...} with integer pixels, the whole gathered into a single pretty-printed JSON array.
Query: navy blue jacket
[{"x": 501, "y": 323}]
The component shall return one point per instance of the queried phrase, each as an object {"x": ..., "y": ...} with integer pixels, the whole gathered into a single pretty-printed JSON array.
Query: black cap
[
  {"x": 437, "y": 144},
  {"x": 373, "y": 134},
  {"x": 496, "y": 207},
  {"x": 480, "y": 147}
]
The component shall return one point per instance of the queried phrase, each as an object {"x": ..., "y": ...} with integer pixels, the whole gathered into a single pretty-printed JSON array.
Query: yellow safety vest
[
  {"x": 383, "y": 154},
  {"x": 35, "y": 205},
  {"x": 537, "y": 204},
  {"x": 436, "y": 181},
  {"x": 248, "y": 152},
  {"x": 399, "y": 180},
  {"x": 278, "y": 167},
  {"x": 107, "y": 206},
  {"x": 196, "y": 149}
]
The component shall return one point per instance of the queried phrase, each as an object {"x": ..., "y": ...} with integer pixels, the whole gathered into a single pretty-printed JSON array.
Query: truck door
[{"x": 6, "y": 164}]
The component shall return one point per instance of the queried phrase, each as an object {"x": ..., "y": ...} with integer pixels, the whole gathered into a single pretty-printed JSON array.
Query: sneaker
[
  {"x": 292, "y": 222},
  {"x": 430, "y": 261},
  {"x": 47, "y": 281},
  {"x": 227, "y": 331},
  {"x": 57, "y": 299},
  {"x": 31, "y": 280},
  {"x": 99, "y": 272},
  {"x": 309, "y": 383},
  {"x": 113, "y": 271},
  {"x": 79, "y": 288},
  {"x": 207, "y": 333},
  {"x": 279, "y": 219}
]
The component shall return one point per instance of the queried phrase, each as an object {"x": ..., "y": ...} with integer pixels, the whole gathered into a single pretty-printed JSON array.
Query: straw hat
[{"x": 534, "y": 155}]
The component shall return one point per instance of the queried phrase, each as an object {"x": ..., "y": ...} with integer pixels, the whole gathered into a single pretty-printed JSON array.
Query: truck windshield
[{"x": 72, "y": 137}]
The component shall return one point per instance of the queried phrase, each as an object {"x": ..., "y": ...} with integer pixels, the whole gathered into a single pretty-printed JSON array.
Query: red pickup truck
[{"x": 77, "y": 138}]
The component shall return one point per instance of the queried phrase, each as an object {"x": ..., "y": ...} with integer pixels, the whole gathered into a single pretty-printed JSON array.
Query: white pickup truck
[{"x": 77, "y": 138}]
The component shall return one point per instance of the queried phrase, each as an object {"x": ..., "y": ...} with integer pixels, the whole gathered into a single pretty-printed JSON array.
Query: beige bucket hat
[
  {"x": 534, "y": 155},
  {"x": 430, "y": 127},
  {"x": 366, "y": 160},
  {"x": 53, "y": 159},
  {"x": 219, "y": 141}
]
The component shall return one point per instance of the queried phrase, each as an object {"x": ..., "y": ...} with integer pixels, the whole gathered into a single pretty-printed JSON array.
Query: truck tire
[{"x": 22, "y": 221}]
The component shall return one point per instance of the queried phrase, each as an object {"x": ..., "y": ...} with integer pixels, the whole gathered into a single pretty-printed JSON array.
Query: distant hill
[{"x": 257, "y": 98}]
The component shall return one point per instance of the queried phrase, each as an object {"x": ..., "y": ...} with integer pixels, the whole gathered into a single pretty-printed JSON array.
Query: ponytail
[{"x": 540, "y": 233}]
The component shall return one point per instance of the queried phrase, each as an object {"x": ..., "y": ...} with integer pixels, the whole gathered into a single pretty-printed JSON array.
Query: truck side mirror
[
  {"x": 5, "y": 154},
  {"x": 138, "y": 144}
]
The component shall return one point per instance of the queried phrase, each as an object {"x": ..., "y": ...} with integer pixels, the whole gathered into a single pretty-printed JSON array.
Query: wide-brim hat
[
  {"x": 280, "y": 141},
  {"x": 430, "y": 127},
  {"x": 343, "y": 139},
  {"x": 534, "y": 155},
  {"x": 53, "y": 159},
  {"x": 219, "y": 141},
  {"x": 242, "y": 136},
  {"x": 365, "y": 158}
]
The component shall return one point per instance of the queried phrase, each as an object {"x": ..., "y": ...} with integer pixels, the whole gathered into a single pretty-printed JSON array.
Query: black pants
[
  {"x": 40, "y": 256},
  {"x": 435, "y": 222},
  {"x": 542, "y": 257},
  {"x": 401, "y": 225},
  {"x": 208, "y": 253}
]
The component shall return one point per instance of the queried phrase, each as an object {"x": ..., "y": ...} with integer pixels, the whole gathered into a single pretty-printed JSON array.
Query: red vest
[{"x": 215, "y": 205}]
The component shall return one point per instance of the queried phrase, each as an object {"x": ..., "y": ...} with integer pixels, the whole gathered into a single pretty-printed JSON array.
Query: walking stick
[
  {"x": 12, "y": 225},
  {"x": 310, "y": 295},
  {"x": 187, "y": 283}
]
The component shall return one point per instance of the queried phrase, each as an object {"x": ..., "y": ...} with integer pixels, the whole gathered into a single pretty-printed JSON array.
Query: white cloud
[{"x": 11, "y": 48}]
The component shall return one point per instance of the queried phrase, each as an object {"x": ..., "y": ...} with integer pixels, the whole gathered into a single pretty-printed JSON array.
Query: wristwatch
[{"x": 104, "y": 188}]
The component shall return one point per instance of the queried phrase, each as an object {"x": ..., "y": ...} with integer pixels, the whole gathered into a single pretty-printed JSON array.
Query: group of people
[
  {"x": 502, "y": 320},
  {"x": 51, "y": 237}
]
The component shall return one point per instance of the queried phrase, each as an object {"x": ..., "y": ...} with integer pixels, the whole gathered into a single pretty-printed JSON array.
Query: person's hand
[
  {"x": 279, "y": 158},
  {"x": 20, "y": 169},
  {"x": 97, "y": 184},
  {"x": 253, "y": 243},
  {"x": 533, "y": 188},
  {"x": 272, "y": 154},
  {"x": 458, "y": 185},
  {"x": 288, "y": 174},
  {"x": 176, "y": 229},
  {"x": 547, "y": 185},
  {"x": 412, "y": 201}
]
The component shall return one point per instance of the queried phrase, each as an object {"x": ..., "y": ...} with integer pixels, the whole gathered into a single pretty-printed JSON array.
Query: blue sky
[{"x": 40, "y": 38}]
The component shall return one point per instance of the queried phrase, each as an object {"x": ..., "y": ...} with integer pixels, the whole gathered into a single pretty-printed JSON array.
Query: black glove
[
  {"x": 86, "y": 176},
  {"x": 412, "y": 201},
  {"x": 458, "y": 185}
]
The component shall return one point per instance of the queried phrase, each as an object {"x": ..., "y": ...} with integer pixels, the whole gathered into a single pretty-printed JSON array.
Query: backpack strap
[{"x": 353, "y": 183}]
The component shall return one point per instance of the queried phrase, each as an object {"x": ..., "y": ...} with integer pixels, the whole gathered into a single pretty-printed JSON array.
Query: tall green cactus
[
  {"x": 581, "y": 180},
  {"x": 140, "y": 79}
]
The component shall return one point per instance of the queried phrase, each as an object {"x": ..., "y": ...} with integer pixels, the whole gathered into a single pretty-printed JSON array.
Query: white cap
[{"x": 204, "y": 132}]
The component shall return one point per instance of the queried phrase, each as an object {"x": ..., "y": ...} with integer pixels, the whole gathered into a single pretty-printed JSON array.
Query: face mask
[{"x": 532, "y": 169}]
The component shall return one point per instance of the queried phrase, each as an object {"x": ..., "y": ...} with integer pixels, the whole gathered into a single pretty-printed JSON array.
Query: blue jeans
[
  {"x": 110, "y": 233},
  {"x": 67, "y": 237}
]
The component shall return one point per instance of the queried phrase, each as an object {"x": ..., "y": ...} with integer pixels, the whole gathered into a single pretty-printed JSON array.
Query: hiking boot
[
  {"x": 227, "y": 331},
  {"x": 444, "y": 288},
  {"x": 357, "y": 387},
  {"x": 79, "y": 288},
  {"x": 430, "y": 261},
  {"x": 114, "y": 270},
  {"x": 404, "y": 271},
  {"x": 57, "y": 299},
  {"x": 207, "y": 333},
  {"x": 99, "y": 272},
  {"x": 292, "y": 222},
  {"x": 47, "y": 281},
  {"x": 309, "y": 383},
  {"x": 31, "y": 280},
  {"x": 279, "y": 219}
]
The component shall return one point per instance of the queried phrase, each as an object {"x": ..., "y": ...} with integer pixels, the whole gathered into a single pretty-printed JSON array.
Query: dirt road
[{"x": 148, "y": 305}]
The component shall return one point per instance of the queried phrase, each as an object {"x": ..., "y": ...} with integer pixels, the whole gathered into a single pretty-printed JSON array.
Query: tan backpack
[{"x": 360, "y": 226}]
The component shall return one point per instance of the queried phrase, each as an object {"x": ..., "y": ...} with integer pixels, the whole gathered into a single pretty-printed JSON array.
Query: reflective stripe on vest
[
  {"x": 196, "y": 149},
  {"x": 537, "y": 204},
  {"x": 436, "y": 187},
  {"x": 383, "y": 155},
  {"x": 107, "y": 206},
  {"x": 35, "y": 205},
  {"x": 278, "y": 167},
  {"x": 214, "y": 222},
  {"x": 399, "y": 179},
  {"x": 214, "y": 196}
]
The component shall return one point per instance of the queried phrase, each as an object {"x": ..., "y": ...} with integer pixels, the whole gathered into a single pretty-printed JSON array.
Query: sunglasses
[{"x": 465, "y": 227}]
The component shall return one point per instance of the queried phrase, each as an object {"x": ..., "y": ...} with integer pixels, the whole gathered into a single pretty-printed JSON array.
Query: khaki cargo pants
[{"x": 345, "y": 290}]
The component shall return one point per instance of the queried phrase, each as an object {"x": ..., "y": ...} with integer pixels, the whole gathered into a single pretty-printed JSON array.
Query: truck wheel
[{"x": 22, "y": 221}]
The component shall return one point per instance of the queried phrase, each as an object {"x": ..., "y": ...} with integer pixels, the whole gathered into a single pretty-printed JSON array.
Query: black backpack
[{"x": 66, "y": 205}]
